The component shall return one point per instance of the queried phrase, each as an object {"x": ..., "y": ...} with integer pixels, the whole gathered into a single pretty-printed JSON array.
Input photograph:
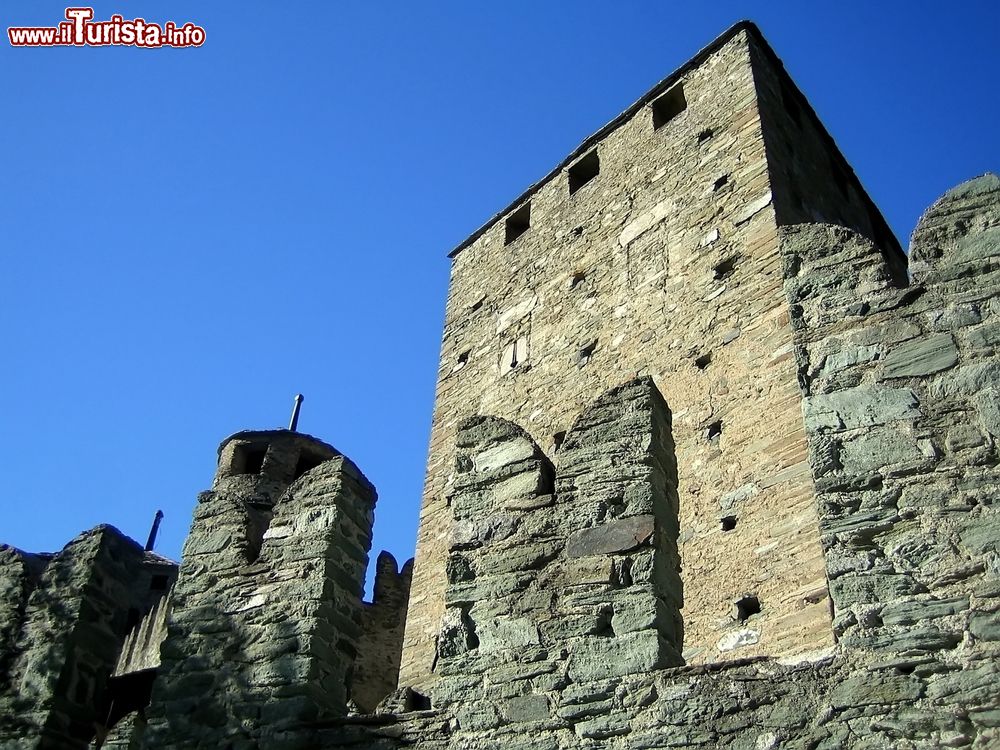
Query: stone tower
[
  {"x": 266, "y": 614},
  {"x": 655, "y": 249}
]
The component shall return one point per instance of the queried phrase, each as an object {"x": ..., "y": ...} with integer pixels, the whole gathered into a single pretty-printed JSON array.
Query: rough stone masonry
[{"x": 714, "y": 464}]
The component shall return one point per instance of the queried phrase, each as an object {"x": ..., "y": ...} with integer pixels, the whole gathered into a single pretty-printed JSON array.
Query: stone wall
[
  {"x": 757, "y": 704},
  {"x": 902, "y": 411},
  {"x": 667, "y": 263},
  {"x": 805, "y": 553},
  {"x": 56, "y": 691},
  {"x": 380, "y": 646},
  {"x": 266, "y": 613},
  {"x": 19, "y": 574}
]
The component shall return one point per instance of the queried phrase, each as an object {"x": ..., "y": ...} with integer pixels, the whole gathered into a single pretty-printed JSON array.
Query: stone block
[
  {"x": 987, "y": 403},
  {"x": 985, "y": 626},
  {"x": 980, "y": 534},
  {"x": 507, "y": 633},
  {"x": 526, "y": 708},
  {"x": 634, "y": 613},
  {"x": 502, "y": 454},
  {"x": 594, "y": 659},
  {"x": 878, "y": 451},
  {"x": 875, "y": 689},
  {"x": 863, "y": 406},
  {"x": 603, "y": 727},
  {"x": 912, "y": 612},
  {"x": 457, "y": 635},
  {"x": 921, "y": 357},
  {"x": 614, "y": 537},
  {"x": 871, "y": 588},
  {"x": 848, "y": 357},
  {"x": 478, "y": 716}
]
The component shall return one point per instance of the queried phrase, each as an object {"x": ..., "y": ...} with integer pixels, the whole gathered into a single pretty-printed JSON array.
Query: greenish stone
[
  {"x": 985, "y": 626},
  {"x": 526, "y": 708},
  {"x": 921, "y": 357},
  {"x": 599, "y": 658},
  {"x": 614, "y": 537},
  {"x": 859, "y": 407},
  {"x": 909, "y": 613},
  {"x": 872, "y": 689}
]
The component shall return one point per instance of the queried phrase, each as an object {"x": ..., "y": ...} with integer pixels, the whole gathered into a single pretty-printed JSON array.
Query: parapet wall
[
  {"x": 567, "y": 571},
  {"x": 903, "y": 413},
  {"x": 380, "y": 646},
  {"x": 262, "y": 630}
]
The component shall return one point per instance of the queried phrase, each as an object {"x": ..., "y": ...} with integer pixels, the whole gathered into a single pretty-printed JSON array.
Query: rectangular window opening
[
  {"x": 249, "y": 459},
  {"x": 306, "y": 462},
  {"x": 518, "y": 223},
  {"x": 584, "y": 171},
  {"x": 668, "y": 106}
]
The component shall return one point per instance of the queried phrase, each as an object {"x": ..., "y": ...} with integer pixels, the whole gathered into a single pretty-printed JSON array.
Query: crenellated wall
[
  {"x": 804, "y": 552},
  {"x": 19, "y": 574},
  {"x": 380, "y": 646},
  {"x": 561, "y": 573},
  {"x": 901, "y": 405},
  {"x": 903, "y": 412}
]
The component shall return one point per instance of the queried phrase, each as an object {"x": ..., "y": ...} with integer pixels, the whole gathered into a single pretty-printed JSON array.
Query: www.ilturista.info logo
[{"x": 80, "y": 30}]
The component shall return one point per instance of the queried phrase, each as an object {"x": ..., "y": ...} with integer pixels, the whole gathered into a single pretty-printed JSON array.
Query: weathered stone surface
[
  {"x": 921, "y": 357},
  {"x": 985, "y": 626},
  {"x": 507, "y": 633},
  {"x": 981, "y": 534},
  {"x": 526, "y": 708},
  {"x": 870, "y": 588},
  {"x": 869, "y": 689},
  {"x": 988, "y": 405},
  {"x": 912, "y": 612},
  {"x": 841, "y": 360},
  {"x": 663, "y": 272},
  {"x": 860, "y": 407},
  {"x": 878, "y": 451},
  {"x": 600, "y": 658},
  {"x": 617, "y": 536}
]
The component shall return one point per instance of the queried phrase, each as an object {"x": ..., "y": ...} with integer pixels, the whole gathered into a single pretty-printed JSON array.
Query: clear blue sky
[{"x": 192, "y": 236}]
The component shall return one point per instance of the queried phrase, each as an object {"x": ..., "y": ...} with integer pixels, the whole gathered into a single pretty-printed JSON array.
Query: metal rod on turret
[
  {"x": 299, "y": 398},
  {"x": 151, "y": 539}
]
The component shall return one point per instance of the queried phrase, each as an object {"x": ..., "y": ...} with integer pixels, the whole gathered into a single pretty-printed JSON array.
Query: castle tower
[
  {"x": 654, "y": 250},
  {"x": 266, "y": 613}
]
